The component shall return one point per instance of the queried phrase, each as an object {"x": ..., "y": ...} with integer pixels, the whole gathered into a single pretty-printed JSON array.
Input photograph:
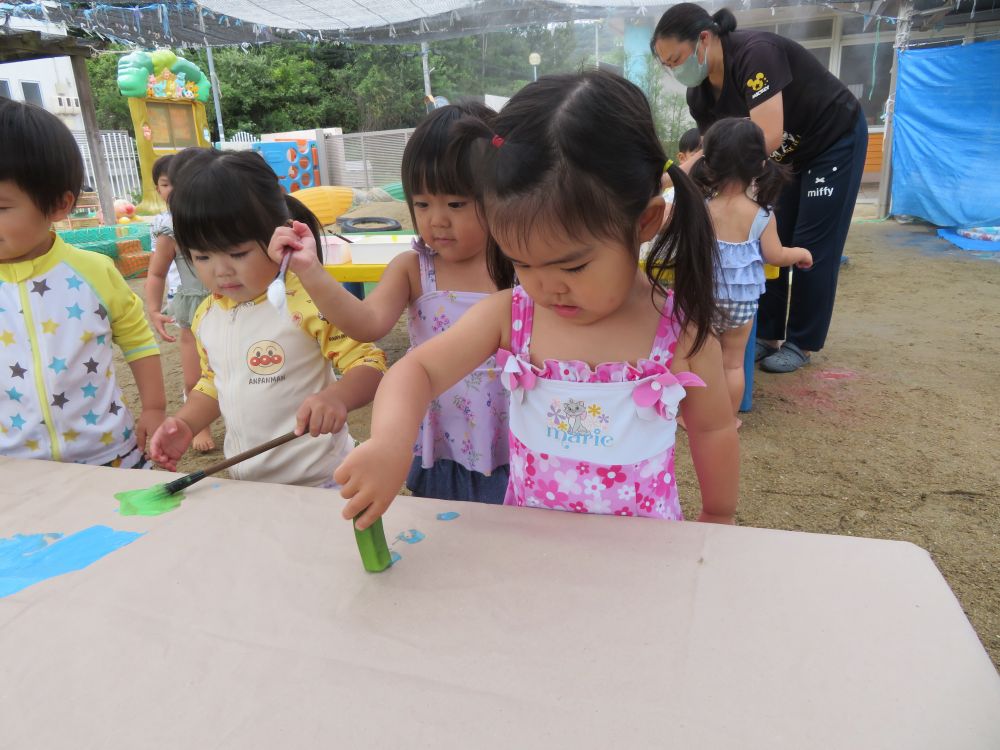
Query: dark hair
[
  {"x": 734, "y": 150},
  {"x": 225, "y": 198},
  {"x": 686, "y": 21},
  {"x": 689, "y": 141},
  {"x": 580, "y": 153},
  {"x": 39, "y": 154},
  {"x": 161, "y": 166},
  {"x": 430, "y": 165}
]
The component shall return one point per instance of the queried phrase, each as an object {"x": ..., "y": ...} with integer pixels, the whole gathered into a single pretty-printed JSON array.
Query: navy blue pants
[{"x": 814, "y": 212}]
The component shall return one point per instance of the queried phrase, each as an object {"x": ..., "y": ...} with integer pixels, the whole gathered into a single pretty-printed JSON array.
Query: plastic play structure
[{"x": 166, "y": 97}]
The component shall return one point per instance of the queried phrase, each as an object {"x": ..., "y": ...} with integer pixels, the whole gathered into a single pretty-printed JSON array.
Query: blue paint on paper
[
  {"x": 410, "y": 537},
  {"x": 449, "y": 516},
  {"x": 28, "y": 559},
  {"x": 394, "y": 557}
]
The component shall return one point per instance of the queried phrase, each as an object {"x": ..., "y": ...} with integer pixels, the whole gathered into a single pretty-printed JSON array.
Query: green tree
[{"x": 111, "y": 106}]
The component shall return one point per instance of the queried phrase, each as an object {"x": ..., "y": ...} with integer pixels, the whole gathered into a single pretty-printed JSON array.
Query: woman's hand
[
  {"x": 299, "y": 241},
  {"x": 169, "y": 442}
]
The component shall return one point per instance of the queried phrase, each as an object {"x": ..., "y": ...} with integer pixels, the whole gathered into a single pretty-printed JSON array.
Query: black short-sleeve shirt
[{"x": 818, "y": 108}]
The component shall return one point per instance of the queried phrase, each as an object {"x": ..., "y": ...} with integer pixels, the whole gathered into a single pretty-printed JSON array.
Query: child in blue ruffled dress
[{"x": 741, "y": 184}]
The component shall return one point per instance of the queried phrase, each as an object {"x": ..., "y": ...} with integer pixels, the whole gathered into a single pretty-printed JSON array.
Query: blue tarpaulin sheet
[{"x": 946, "y": 141}]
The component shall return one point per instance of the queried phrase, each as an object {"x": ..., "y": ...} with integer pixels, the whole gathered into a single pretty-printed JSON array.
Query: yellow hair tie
[{"x": 668, "y": 165}]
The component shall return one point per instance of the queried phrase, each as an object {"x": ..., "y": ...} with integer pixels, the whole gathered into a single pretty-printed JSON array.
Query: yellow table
[{"x": 344, "y": 272}]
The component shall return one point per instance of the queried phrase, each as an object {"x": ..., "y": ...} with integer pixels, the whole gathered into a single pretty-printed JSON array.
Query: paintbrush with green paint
[{"x": 151, "y": 499}]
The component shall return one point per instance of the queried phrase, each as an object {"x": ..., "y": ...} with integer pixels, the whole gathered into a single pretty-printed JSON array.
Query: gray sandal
[
  {"x": 762, "y": 349},
  {"x": 788, "y": 358}
]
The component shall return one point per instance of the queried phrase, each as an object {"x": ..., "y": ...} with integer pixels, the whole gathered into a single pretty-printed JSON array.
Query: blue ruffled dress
[{"x": 739, "y": 276}]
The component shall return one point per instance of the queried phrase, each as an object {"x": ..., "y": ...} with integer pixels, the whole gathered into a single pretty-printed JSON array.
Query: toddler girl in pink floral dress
[{"x": 598, "y": 356}]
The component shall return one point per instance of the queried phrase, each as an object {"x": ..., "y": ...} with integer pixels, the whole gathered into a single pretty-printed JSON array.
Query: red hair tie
[{"x": 497, "y": 141}]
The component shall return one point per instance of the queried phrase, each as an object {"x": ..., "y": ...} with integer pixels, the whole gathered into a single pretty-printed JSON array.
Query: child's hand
[
  {"x": 169, "y": 442},
  {"x": 160, "y": 321},
  {"x": 370, "y": 478},
  {"x": 299, "y": 241},
  {"x": 147, "y": 423},
  {"x": 320, "y": 414},
  {"x": 805, "y": 258}
]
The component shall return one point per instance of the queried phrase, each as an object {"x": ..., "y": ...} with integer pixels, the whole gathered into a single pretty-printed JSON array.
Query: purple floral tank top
[{"x": 468, "y": 422}]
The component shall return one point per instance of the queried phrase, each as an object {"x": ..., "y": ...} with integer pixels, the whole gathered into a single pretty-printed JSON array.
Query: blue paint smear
[
  {"x": 411, "y": 537},
  {"x": 394, "y": 557},
  {"x": 29, "y": 559},
  {"x": 449, "y": 516}
]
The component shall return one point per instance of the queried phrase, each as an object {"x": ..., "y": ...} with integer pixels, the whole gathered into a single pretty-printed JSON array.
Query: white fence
[
  {"x": 120, "y": 155},
  {"x": 364, "y": 160}
]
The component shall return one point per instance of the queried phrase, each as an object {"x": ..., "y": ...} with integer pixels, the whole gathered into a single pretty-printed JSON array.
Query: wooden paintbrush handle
[{"x": 214, "y": 468}]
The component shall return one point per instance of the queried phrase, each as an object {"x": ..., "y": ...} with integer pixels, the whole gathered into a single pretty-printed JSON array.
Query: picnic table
[{"x": 244, "y": 619}]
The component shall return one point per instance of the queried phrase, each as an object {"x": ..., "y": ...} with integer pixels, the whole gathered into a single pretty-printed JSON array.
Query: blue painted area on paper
[
  {"x": 394, "y": 557},
  {"x": 27, "y": 559},
  {"x": 449, "y": 516},
  {"x": 410, "y": 537}
]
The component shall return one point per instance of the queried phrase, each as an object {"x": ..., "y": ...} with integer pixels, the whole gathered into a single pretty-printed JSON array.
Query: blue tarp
[{"x": 946, "y": 141}]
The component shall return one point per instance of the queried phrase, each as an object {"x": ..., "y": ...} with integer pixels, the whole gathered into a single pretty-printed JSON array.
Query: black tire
[{"x": 350, "y": 226}]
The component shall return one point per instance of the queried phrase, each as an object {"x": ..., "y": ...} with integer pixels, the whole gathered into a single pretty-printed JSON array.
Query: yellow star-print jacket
[
  {"x": 261, "y": 364},
  {"x": 59, "y": 315}
]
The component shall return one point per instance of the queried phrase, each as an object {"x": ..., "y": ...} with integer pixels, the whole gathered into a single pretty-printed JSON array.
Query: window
[
  {"x": 32, "y": 93},
  {"x": 821, "y": 28},
  {"x": 4, "y": 89},
  {"x": 60, "y": 100},
  {"x": 172, "y": 124},
  {"x": 76, "y": 102},
  {"x": 822, "y": 54},
  {"x": 865, "y": 68}
]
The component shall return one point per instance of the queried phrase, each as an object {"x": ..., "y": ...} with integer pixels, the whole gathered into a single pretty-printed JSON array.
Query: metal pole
[
  {"x": 535, "y": 69},
  {"x": 212, "y": 77},
  {"x": 903, "y": 23},
  {"x": 597, "y": 46},
  {"x": 425, "y": 53}
]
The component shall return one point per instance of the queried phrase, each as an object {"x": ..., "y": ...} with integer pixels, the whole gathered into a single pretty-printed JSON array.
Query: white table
[{"x": 244, "y": 619}]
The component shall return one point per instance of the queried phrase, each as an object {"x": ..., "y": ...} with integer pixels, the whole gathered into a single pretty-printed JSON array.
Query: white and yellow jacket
[
  {"x": 59, "y": 315},
  {"x": 261, "y": 364}
]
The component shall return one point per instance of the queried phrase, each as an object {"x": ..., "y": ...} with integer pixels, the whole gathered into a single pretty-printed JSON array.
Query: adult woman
[{"x": 811, "y": 122}]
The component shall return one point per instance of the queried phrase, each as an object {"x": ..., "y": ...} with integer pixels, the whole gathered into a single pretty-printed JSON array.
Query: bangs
[
  {"x": 579, "y": 209},
  {"x": 213, "y": 210}
]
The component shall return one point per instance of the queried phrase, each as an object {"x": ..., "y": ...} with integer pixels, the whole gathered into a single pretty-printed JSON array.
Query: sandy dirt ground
[{"x": 892, "y": 430}]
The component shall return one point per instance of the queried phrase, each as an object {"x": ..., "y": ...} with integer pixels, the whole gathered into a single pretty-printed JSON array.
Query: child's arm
[
  {"x": 148, "y": 375},
  {"x": 173, "y": 437},
  {"x": 156, "y": 281},
  {"x": 325, "y": 412},
  {"x": 363, "y": 320},
  {"x": 711, "y": 428},
  {"x": 373, "y": 473},
  {"x": 776, "y": 254}
]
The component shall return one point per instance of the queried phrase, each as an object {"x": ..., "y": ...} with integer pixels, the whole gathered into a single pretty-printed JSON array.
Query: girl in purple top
[
  {"x": 461, "y": 451},
  {"x": 597, "y": 355}
]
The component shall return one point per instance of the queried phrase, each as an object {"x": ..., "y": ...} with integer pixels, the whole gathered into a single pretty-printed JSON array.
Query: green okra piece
[{"x": 373, "y": 547}]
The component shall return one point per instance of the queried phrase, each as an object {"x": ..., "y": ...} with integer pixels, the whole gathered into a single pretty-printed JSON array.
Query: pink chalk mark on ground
[{"x": 836, "y": 375}]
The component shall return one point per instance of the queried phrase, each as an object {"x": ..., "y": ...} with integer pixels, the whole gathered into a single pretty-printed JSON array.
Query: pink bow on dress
[
  {"x": 516, "y": 376},
  {"x": 661, "y": 394}
]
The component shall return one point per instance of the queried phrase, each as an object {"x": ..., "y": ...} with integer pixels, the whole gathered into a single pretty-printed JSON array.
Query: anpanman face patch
[
  {"x": 758, "y": 82},
  {"x": 265, "y": 357}
]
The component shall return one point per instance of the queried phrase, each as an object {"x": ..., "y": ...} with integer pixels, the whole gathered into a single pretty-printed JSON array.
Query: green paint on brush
[
  {"x": 373, "y": 548},
  {"x": 148, "y": 502}
]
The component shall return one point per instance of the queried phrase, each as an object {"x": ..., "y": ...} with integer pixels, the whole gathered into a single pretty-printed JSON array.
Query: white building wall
[{"x": 54, "y": 77}]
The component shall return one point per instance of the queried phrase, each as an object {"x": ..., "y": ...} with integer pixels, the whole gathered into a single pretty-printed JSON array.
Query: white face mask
[{"x": 691, "y": 73}]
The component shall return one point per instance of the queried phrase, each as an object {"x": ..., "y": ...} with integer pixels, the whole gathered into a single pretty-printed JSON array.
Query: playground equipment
[
  {"x": 295, "y": 162},
  {"x": 166, "y": 97},
  {"x": 328, "y": 202}
]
